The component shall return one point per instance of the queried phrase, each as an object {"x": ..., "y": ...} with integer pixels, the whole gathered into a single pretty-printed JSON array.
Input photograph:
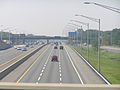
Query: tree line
[{"x": 109, "y": 37}]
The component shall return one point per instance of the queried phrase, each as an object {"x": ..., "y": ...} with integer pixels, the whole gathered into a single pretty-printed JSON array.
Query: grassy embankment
[{"x": 109, "y": 63}]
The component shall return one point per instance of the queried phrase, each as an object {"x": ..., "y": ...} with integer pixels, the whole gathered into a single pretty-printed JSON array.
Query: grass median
[{"x": 109, "y": 62}]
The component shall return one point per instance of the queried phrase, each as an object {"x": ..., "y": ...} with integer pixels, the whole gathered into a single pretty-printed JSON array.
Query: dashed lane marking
[
  {"x": 41, "y": 74},
  {"x": 42, "y": 71},
  {"x": 39, "y": 78},
  {"x": 60, "y": 75},
  {"x": 31, "y": 65}
]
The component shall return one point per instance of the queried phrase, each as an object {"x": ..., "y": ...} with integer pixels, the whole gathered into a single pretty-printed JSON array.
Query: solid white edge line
[
  {"x": 74, "y": 67},
  {"x": 92, "y": 67}
]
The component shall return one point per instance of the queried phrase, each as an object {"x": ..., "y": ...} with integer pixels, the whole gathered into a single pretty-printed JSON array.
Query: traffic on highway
[
  {"x": 59, "y": 45},
  {"x": 53, "y": 63}
]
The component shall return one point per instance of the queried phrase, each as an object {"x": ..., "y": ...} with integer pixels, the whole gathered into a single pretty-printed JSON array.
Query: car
[
  {"x": 24, "y": 49},
  {"x": 27, "y": 45},
  {"x": 32, "y": 46},
  {"x": 61, "y": 47},
  {"x": 55, "y": 47},
  {"x": 54, "y": 58},
  {"x": 18, "y": 48}
]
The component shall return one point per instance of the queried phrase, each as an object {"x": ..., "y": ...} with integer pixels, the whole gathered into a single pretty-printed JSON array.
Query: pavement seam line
[
  {"x": 31, "y": 66},
  {"x": 74, "y": 67}
]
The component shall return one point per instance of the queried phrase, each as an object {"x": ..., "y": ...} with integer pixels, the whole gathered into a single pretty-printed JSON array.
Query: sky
[{"x": 50, "y": 17}]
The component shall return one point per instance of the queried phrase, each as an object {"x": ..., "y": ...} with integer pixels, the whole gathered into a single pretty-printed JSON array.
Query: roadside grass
[{"x": 109, "y": 63}]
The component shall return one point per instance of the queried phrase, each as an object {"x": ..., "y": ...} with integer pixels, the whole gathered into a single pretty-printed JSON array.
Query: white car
[
  {"x": 18, "y": 48},
  {"x": 23, "y": 48}
]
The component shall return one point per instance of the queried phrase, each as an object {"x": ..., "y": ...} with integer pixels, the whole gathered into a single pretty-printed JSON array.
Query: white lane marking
[
  {"x": 36, "y": 82},
  {"x": 45, "y": 64},
  {"x": 41, "y": 74},
  {"x": 39, "y": 78},
  {"x": 43, "y": 68},
  {"x": 59, "y": 70},
  {"x": 59, "y": 67},
  {"x": 74, "y": 67},
  {"x": 60, "y": 74},
  {"x": 60, "y": 79},
  {"x": 42, "y": 71}
]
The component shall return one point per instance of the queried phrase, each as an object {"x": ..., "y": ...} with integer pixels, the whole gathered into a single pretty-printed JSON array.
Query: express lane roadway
[{"x": 46, "y": 71}]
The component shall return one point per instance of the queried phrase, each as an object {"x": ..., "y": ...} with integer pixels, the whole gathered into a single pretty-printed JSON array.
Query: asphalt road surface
[
  {"x": 46, "y": 71},
  {"x": 39, "y": 69},
  {"x": 8, "y": 54}
]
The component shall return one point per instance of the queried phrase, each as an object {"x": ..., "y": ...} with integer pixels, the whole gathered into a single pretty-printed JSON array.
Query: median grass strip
[{"x": 109, "y": 63}]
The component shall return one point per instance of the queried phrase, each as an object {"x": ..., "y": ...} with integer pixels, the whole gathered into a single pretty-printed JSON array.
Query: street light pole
[
  {"x": 88, "y": 41},
  {"x": 98, "y": 21},
  {"x": 9, "y": 36},
  {"x": 99, "y": 47},
  {"x": 111, "y": 38},
  {"x": 81, "y": 40},
  {"x": 86, "y": 24},
  {"x": 1, "y": 35}
]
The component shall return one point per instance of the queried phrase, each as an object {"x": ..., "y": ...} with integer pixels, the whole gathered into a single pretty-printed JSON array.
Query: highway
[
  {"x": 39, "y": 68},
  {"x": 46, "y": 71},
  {"x": 6, "y": 55}
]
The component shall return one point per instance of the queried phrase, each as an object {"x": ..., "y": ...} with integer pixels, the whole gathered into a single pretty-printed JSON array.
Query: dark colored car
[
  {"x": 54, "y": 58},
  {"x": 61, "y": 47},
  {"x": 55, "y": 47}
]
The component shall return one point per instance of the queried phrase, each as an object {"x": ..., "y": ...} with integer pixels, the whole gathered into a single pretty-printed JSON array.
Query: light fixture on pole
[{"x": 104, "y": 6}]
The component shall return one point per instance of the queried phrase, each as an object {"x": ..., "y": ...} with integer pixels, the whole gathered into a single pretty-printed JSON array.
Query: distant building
[{"x": 72, "y": 34}]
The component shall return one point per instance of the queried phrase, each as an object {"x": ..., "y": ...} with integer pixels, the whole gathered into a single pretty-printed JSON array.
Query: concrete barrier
[
  {"x": 19, "y": 62},
  {"x": 53, "y": 86}
]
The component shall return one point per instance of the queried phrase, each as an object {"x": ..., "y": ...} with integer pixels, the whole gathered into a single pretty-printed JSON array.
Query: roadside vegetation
[{"x": 109, "y": 62}]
